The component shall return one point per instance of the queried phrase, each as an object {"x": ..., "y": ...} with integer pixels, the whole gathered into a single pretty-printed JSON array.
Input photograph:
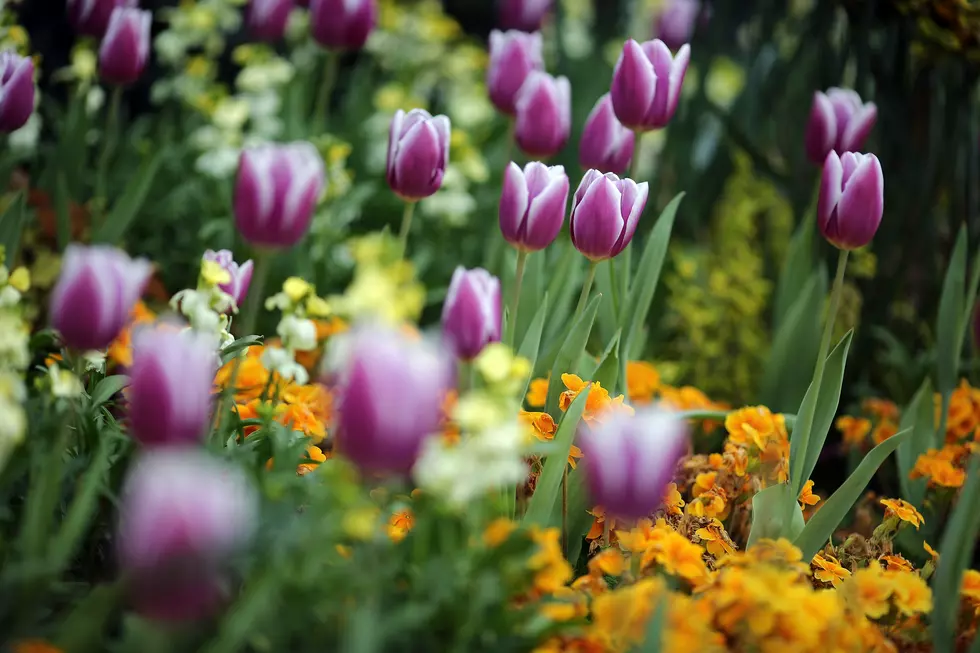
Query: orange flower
[
  {"x": 871, "y": 590},
  {"x": 498, "y": 531},
  {"x": 551, "y": 570},
  {"x": 970, "y": 588},
  {"x": 315, "y": 454},
  {"x": 599, "y": 524},
  {"x": 34, "y": 646},
  {"x": 673, "y": 501},
  {"x": 537, "y": 393},
  {"x": 399, "y": 524},
  {"x": 598, "y": 402},
  {"x": 896, "y": 562},
  {"x": 853, "y": 429},
  {"x": 120, "y": 350},
  {"x": 910, "y": 593},
  {"x": 608, "y": 562},
  {"x": 642, "y": 381},
  {"x": 883, "y": 430},
  {"x": 807, "y": 497},
  {"x": 931, "y": 551},
  {"x": 543, "y": 427},
  {"x": 715, "y": 539},
  {"x": 828, "y": 570},
  {"x": 903, "y": 510},
  {"x": 752, "y": 426},
  {"x": 938, "y": 467},
  {"x": 880, "y": 408},
  {"x": 252, "y": 376}
]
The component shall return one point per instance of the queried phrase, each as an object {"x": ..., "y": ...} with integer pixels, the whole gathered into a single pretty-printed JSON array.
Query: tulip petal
[
  {"x": 596, "y": 222},
  {"x": 821, "y": 129},
  {"x": 633, "y": 85},
  {"x": 547, "y": 213},
  {"x": 861, "y": 203},
  {"x": 514, "y": 199},
  {"x": 831, "y": 184},
  {"x": 633, "y": 202},
  {"x": 858, "y": 128}
]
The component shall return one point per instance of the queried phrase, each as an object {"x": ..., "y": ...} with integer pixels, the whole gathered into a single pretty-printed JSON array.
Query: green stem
[
  {"x": 406, "y": 226},
  {"x": 321, "y": 110},
  {"x": 586, "y": 287},
  {"x": 637, "y": 150},
  {"x": 612, "y": 284},
  {"x": 515, "y": 301},
  {"x": 111, "y": 132},
  {"x": 564, "y": 511}
]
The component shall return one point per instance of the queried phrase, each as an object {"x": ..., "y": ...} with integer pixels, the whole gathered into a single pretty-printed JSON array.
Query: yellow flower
[
  {"x": 673, "y": 501},
  {"x": 537, "y": 393},
  {"x": 642, "y": 381},
  {"x": 551, "y": 570},
  {"x": 910, "y": 593},
  {"x": 807, "y": 497},
  {"x": 399, "y": 524},
  {"x": 853, "y": 429},
  {"x": 828, "y": 570},
  {"x": 360, "y": 524},
  {"x": 296, "y": 289},
  {"x": 498, "y": 531},
  {"x": 931, "y": 551},
  {"x": 569, "y": 605},
  {"x": 608, "y": 562},
  {"x": 678, "y": 556},
  {"x": 715, "y": 539},
  {"x": 870, "y": 590},
  {"x": 20, "y": 279},
  {"x": 543, "y": 428},
  {"x": 904, "y": 511},
  {"x": 754, "y": 425}
]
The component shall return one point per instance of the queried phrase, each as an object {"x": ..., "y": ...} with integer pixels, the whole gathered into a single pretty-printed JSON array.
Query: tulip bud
[
  {"x": 267, "y": 19},
  {"x": 91, "y": 17},
  {"x": 391, "y": 392},
  {"x": 532, "y": 205},
  {"x": 544, "y": 114},
  {"x": 646, "y": 84},
  {"x": 606, "y": 145},
  {"x": 839, "y": 121},
  {"x": 471, "y": 314},
  {"x": 183, "y": 513},
  {"x": 852, "y": 199},
  {"x": 676, "y": 22},
  {"x": 126, "y": 46},
  {"x": 16, "y": 90},
  {"x": 629, "y": 460},
  {"x": 418, "y": 153},
  {"x": 523, "y": 15},
  {"x": 241, "y": 275},
  {"x": 343, "y": 24},
  {"x": 96, "y": 291},
  {"x": 605, "y": 212},
  {"x": 276, "y": 192},
  {"x": 513, "y": 55}
]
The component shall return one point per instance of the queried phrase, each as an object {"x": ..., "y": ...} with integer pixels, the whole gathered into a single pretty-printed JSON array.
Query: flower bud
[
  {"x": 276, "y": 192},
  {"x": 606, "y": 145},
  {"x": 605, "y": 212},
  {"x": 513, "y": 55},
  {"x": 646, "y": 84},
  {"x": 182, "y": 514},
  {"x": 471, "y": 314},
  {"x": 532, "y": 205},
  {"x": 95, "y": 293},
  {"x": 267, "y": 19},
  {"x": 126, "y": 46},
  {"x": 523, "y": 15},
  {"x": 852, "y": 199},
  {"x": 676, "y": 22},
  {"x": 629, "y": 460},
  {"x": 16, "y": 90},
  {"x": 544, "y": 114},
  {"x": 91, "y": 17},
  {"x": 391, "y": 392},
  {"x": 343, "y": 24},
  {"x": 241, "y": 275},
  {"x": 418, "y": 152},
  {"x": 839, "y": 121}
]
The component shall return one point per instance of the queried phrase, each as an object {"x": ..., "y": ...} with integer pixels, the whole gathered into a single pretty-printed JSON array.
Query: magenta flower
[
  {"x": 267, "y": 19},
  {"x": 852, "y": 199},
  {"x": 418, "y": 153},
  {"x": 839, "y": 121},
  {"x": 523, "y": 15},
  {"x": 91, "y": 17},
  {"x": 646, "y": 84},
  {"x": 16, "y": 90},
  {"x": 241, "y": 275},
  {"x": 343, "y": 24},
  {"x": 513, "y": 56},
  {"x": 544, "y": 114},
  {"x": 532, "y": 205},
  {"x": 676, "y": 22},
  {"x": 606, "y": 145},
  {"x": 605, "y": 212},
  {"x": 126, "y": 46},
  {"x": 471, "y": 314}
]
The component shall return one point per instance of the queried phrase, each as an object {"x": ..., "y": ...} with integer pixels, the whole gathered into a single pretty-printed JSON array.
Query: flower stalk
[{"x": 515, "y": 301}]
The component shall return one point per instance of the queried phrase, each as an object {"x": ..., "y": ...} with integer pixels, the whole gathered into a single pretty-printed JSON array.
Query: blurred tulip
[
  {"x": 606, "y": 145},
  {"x": 241, "y": 275},
  {"x": 95, "y": 293},
  {"x": 276, "y": 192},
  {"x": 126, "y": 46},
  {"x": 839, "y": 121},
  {"x": 605, "y": 212},
  {"x": 544, "y": 114},
  {"x": 343, "y": 24},
  {"x": 523, "y": 15},
  {"x": 182, "y": 514},
  {"x": 16, "y": 90},
  {"x": 267, "y": 19},
  {"x": 532, "y": 205},
  {"x": 91, "y": 17},
  {"x": 513, "y": 55},
  {"x": 471, "y": 314},
  {"x": 391, "y": 391},
  {"x": 646, "y": 84},
  {"x": 418, "y": 153},
  {"x": 676, "y": 22},
  {"x": 629, "y": 460},
  {"x": 852, "y": 199}
]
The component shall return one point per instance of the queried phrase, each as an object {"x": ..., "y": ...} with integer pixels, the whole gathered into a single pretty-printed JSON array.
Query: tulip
[
  {"x": 544, "y": 114},
  {"x": 16, "y": 90},
  {"x": 95, "y": 293},
  {"x": 126, "y": 46},
  {"x": 532, "y": 205},
  {"x": 267, "y": 18},
  {"x": 343, "y": 24},
  {"x": 471, "y": 314},
  {"x": 646, "y": 84},
  {"x": 605, "y": 212},
  {"x": 852, "y": 199},
  {"x": 676, "y": 22},
  {"x": 418, "y": 152},
  {"x": 606, "y": 145},
  {"x": 91, "y": 17},
  {"x": 183, "y": 514},
  {"x": 513, "y": 56},
  {"x": 523, "y": 15},
  {"x": 391, "y": 392},
  {"x": 839, "y": 121},
  {"x": 629, "y": 460},
  {"x": 241, "y": 275},
  {"x": 276, "y": 192}
]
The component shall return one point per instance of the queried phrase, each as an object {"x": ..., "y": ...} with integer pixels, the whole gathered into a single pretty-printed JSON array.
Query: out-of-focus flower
[
  {"x": 418, "y": 152},
  {"x": 126, "y": 46},
  {"x": 606, "y": 144},
  {"x": 646, "y": 84},
  {"x": 839, "y": 122},
  {"x": 532, "y": 205},
  {"x": 513, "y": 56},
  {"x": 343, "y": 24},
  {"x": 276, "y": 191},
  {"x": 96, "y": 290},
  {"x": 544, "y": 114},
  {"x": 676, "y": 21},
  {"x": 182, "y": 514},
  {"x": 16, "y": 90},
  {"x": 267, "y": 19},
  {"x": 851, "y": 199},
  {"x": 605, "y": 212},
  {"x": 471, "y": 315},
  {"x": 523, "y": 15},
  {"x": 238, "y": 276},
  {"x": 91, "y": 17}
]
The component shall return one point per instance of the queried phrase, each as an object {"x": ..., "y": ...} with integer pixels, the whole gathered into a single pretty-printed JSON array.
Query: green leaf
[
  {"x": 775, "y": 514},
  {"x": 231, "y": 351},
  {"x": 127, "y": 207},
  {"x": 579, "y": 519},
  {"x": 62, "y": 209},
  {"x": 653, "y": 638},
  {"x": 565, "y": 277},
  {"x": 796, "y": 273},
  {"x": 532, "y": 341},
  {"x": 825, "y": 521},
  {"x": 948, "y": 345},
  {"x": 607, "y": 374},
  {"x": 531, "y": 293},
  {"x": 570, "y": 352},
  {"x": 83, "y": 628},
  {"x": 11, "y": 227},
  {"x": 919, "y": 417},
  {"x": 606, "y": 320},
  {"x": 107, "y": 388}
]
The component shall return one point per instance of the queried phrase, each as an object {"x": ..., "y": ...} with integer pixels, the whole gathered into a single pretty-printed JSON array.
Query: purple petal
[
  {"x": 513, "y": 204},
  {"x": 633, "y": 86}
]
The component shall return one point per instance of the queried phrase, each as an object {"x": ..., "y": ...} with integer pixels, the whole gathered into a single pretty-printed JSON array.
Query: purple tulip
[
  {"x": 267, "y": 18},
  {"x": 544, "y": 114},
  {"x": 126, "y": 46},
  {"x": 96, "y": 291},
  {"x": 523, "y": 15},
  {"x": 391, "y": 392},
  {"x": 852, "y": 199},
  {"x": 629, "y": 460},
  {"x": 532, "y": 205},
  {"x": 241, "y": 275},
  {"x": 605, "y": 212},
  {"x": 647, "y": 82},
  {"x": 16, "y": 90},
  {"x": 471, "y": 314},
  {"x": 606, "y": 145},
  {"x": 343, "y": 24},
  {"x": 676, "y": 22},
  {"x": 183, "y": 513},
  {"x": 513, "y": 55},
  {"x": 418, "y": 153},
  {"x": 839, "y": 121},
  {"x": 276, "y": 192},
  {"x": 91, "y": 17}
]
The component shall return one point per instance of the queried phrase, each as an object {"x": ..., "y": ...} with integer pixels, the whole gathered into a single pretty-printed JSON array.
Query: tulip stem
[
  {"x": 564, "y": 511},
  {"x": 586, "y": 287},
  {"x": 111, "y": 128},
  {"x": 637, "y": 149},
  {"x": 613, "y": 286},
  {"x": 515, "y": 302},
  {"x": 406, "y": 227},
  {"x": 321, "y": 110}
]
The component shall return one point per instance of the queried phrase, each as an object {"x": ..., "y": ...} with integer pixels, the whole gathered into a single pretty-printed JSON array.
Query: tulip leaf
[
  {"x": 11, "y": 227},
  {"x": 606, "y": 320},
  {"x": 107, "y": 388},
  {"x": 579, "y": 520},
  {"x": 919, "y": 417},
  {"x": 531, "y": 293},
  {"x": 607, "y": 373},
  {"x": 775, "y": 514},
  {"x": 624, "y": 268},
  {"x": 948, "y": 341},
  {"x": 570, "y": 352},
  {"x": 565, "y": 277},
  {"x": 127, "y": 207},
  {"x": 825, "y": 521},
  {"x": 83, "y": 628},
  {"x": 532, "y": 341},
  {"x": 796, "y": 273},
  {"x": 229, "y": 352}
]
